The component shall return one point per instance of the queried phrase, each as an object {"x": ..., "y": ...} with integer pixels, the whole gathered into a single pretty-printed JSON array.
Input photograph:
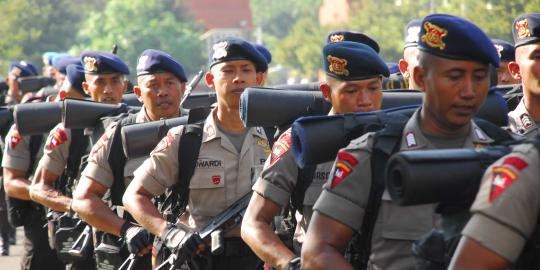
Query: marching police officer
[
  {"x": 19, "y": 161},
  {"x": 161, "y": 83},
  {"x": 105, "y": 82},
  {"x": 410, "y": 52},
  {"x": 353, "y": 84},
  {"x": 18, "y": 69},
  {"x": 523, "y": 120},
  {"x": 229, "y": 160},
  {"x": 453, "y": 73},
  {"x": 507, "y": 54},
  {"x": 505, "y": 212}
]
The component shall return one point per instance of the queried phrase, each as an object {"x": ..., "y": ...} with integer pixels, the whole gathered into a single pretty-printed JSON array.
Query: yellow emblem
[
  {"x": 434, "y": 35},
  {"x": 522, "y": 28},
  {"x": 336, "y": 38},
  {"x": 90, "y": 64},
  {"x": 337, "y": 65}
]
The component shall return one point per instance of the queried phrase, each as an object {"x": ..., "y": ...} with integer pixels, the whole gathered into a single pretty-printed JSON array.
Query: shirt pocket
[
  {"x": 405, "y": 222},
  {"x": 207, "y": 195}
]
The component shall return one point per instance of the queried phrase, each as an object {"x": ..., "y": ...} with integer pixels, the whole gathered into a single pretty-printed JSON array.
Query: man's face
[
  {"x": 503, "y": 75},
  {"x": 229, "y": 79},
  {"x": 454, "y": 90},
  {"x": 59, "y": 77},
  {"x": 161, "y": 94},
  {"x": 105, "y": 88},
  {"x": 528, "y": 59},
  {"x": 355, "y": 96},
  {"x": 12, "y": 79},
  {"x": 407, "y": 65}
]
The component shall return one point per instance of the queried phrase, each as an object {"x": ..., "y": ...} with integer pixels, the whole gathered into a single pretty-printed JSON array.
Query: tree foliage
[{"x": 136, "y": 25}]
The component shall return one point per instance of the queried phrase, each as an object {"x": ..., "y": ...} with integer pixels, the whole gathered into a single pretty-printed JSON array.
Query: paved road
[{"x": 12, "y": 262}]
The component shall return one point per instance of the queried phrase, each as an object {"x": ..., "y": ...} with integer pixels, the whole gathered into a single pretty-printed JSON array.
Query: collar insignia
[
  {"x": 434, "y": 35},
  {"x": 411, "y": 140}
]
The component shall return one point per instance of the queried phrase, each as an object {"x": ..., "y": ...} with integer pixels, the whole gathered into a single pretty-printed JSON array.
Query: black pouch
[
  {"x": 67, "y": 232},
  {"x": 110, "y": 253}
]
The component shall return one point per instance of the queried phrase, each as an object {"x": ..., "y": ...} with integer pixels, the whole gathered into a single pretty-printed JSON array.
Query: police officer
[
  {"x": 229, "y": 160},
  {"x": 523, "y": 120},
  {"x": 410, "y": 52},
  {"x": 506, "y": 207},
  {"x": 267, "y": 56},
  {"x": 161, "y": 83},
  {"x": 18, "y": 168},
  {"x": 104, "y": 82},
  {"x": 60, "y": 64},
  {"x": 354, "y": 74},
  {"x": 507, "y": 54},
  {"x": 48, "y": 69},
  {"x": 453, "y": 73},
  {"x": 18, "y": 69}
]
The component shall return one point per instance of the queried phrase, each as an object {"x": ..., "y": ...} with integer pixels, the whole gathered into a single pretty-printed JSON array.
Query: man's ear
[
  {"x": 326, "y": 91},
  {"x": 85, "y": 88},
  {"x": 403, "y": 65},
  {"x": 137, "y": 92},
  {"x": 259, "y": 78},
  {"x": 209, "y": 79},
  {"x": 419, "y": 76},
  {"x": 513, "y": 67}
]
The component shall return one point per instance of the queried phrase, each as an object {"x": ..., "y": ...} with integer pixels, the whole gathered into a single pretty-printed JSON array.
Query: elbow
[
  {"x": 127, "y": 199},
  {"x": 77, "y": 202}
]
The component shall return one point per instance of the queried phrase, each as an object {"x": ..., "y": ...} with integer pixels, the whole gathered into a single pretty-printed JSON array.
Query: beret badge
[
  {"x": 220, "y": 50},
  {"x": 90, "y": 64},
  {"x": 336, "y": 38},
  {"x": 337, "y": 65},
  {"x": 499, "y": 48},
  {"x": 522, "y": 28},
  {"x": 434, "y": 35},
  {"x": 142, "y": 62}
]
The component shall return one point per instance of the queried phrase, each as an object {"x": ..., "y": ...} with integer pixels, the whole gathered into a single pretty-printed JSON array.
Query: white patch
[
  {"x": 411, "y": 140},
  {"x": 480, "y": 134},
  {"x": 499, "y": 49},
  {"x": 23, "y": 63},
  {"x": 220, "y": 50},
  {"x": 412, "y": 34},
  {"x": 142, "y": 62}
]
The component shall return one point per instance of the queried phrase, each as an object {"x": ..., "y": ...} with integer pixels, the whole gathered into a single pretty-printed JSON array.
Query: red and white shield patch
[
  {"x": 216, "y": 179},
  {"x": 164, "y": 143},
  {"x": 14, "y": 138},
  {"x": 340, "y": 172},
  {"x": 57, "y": 138},
  {"x": 280, "y": 147},
  {"x": 505, "y": 175}
]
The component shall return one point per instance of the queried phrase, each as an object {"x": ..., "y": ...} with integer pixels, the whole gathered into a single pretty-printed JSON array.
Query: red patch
[
  {"x": 57, "y": 138},
  {"x": 344, "y": 156},
  {"x": 164, "y": 143},
  {"x": 516, "y": 162},
  {"x": 14, "y": 138},
  {"x": 340, "y": 172},
  {"x": 280, "y": 147},
  {"x": 216, "y": 179},
  {"x": 505, "y": 175}
]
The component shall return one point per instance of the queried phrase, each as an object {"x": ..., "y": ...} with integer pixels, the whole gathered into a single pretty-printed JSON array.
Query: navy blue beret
[
  {"x": 62, "y": 63},
  {"x": 526, "y": 29},
  {"x": 393, "y": 68},
  {"x": 455, "y": 38},
  {"x": 99, "y": 62},
  {"x": 48, "y": 57},
  {"x": 351, "y": 61},
  {"x": 25, "y": 68},
  {"x": 230, "y": 49},
  {"x": 75, "y": 77},
  {"x": 411, "y": 33},
  {"x": 505, "y": 49},
  {"x": 345, "y": 35},
  {"x": 153, "y": 61},
  {"x": 264, "y": 51}
]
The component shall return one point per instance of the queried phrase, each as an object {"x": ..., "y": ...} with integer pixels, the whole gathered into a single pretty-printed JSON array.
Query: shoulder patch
[
  {"x": 164, "y": 143},
  {"x": 56, "y": 138},
  {"x": 103, "y": 140},
  {"x": 340, "y": 172},
  {"x": 14, "y": 137},
  {"x": 281, "y": 146},
  {"x": 347, "y": 157},
  {"x": 505, "y": 174}
]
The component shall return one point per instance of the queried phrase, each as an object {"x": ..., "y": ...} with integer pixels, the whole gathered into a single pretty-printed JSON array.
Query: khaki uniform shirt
[
  {"x": 278, "y": 180},
  {"x": 506, "y": 208},
  {"x": 98, "y": 167},
  {"x": 521, "y": 122},
  {"x": 56, "y": 150},
  {"x": 221, "y": 176},
  {"x": 345, "y": 195},
  {"x": 17, "y": 151}
]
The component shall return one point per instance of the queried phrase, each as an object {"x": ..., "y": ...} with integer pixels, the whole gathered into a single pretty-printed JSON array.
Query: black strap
[
  {"x": 117, "y": 159},
  {"x": 303, "y": 181},
  {"x": 36, "y": 141},
  {"x": 386, "y": 142},
  {"x": 77, "y": 149}
]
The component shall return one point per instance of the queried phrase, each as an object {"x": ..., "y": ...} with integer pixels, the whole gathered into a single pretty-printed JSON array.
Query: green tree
[
  {"x": 136, "y": 25},
  {"x": 30, "y": 27}
]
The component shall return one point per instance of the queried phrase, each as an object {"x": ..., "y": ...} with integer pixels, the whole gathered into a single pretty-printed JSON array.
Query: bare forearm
[
  {"x": 323, "y": 257},
  {"x": 96, "y": 213},
  {"x": 266, "y": 244},
  {"x": 50, "y": 197},
  {"x": 18, "y": 188},
  {"x": 145, "y": 213}
]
